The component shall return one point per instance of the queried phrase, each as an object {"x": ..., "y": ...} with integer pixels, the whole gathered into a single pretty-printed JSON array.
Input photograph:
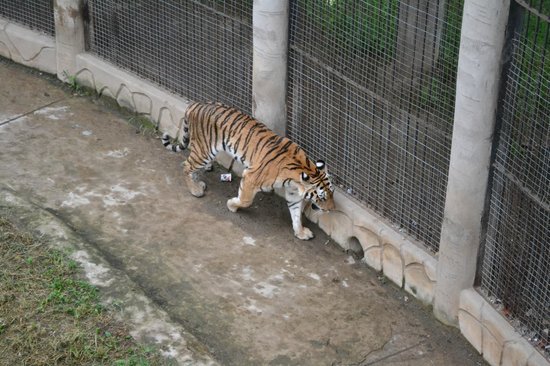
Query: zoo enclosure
[{"x": 371, "y": 89}]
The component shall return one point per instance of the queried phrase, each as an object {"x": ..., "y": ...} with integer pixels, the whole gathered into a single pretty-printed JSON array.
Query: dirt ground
[{"x": 207, "y": 285}]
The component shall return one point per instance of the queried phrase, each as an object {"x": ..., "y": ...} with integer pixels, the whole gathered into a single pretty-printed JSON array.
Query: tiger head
[{"x": 318, "y": 187}]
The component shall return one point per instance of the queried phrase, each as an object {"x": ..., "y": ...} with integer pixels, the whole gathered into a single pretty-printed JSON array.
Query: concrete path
[{"x": 207, "y": 285}]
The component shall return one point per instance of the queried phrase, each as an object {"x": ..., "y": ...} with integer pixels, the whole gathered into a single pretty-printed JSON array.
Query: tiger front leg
[
  {"x": 245, "y": 197},
  {"x": 295, "y": 203},
  {"x": 196, "y": 186}
]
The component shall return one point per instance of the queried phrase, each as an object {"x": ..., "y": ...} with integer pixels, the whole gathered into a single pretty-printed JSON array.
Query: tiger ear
[
  {"x": 305, "y": 177},
  {"x": 320, "y": 164}
]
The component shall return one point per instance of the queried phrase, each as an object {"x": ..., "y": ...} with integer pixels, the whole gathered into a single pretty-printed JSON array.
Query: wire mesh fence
[
  {"x": 35, "y": 14},
  {"x": 515, "y": 270},
  {"x": 371, "y": 90},
  {"x": 201, "y": 49}
]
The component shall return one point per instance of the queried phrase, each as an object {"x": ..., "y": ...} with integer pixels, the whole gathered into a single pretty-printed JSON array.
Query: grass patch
[
  {"x": 142, "y": 124},
  {"x": 73, "y": 84},
  {"x": 48, "y": 316}
]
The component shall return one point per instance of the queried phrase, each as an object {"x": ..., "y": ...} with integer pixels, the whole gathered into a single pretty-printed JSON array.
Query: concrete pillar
[
  {"x": 269, "y": 72},
  {"x": 479, "y": 69},
  {"x": 69, "y": 35}
]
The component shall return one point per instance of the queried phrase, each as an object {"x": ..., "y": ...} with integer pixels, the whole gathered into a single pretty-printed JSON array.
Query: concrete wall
[{"x": 400, "y": 258}]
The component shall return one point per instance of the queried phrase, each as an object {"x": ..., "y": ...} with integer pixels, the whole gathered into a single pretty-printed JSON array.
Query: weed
[
  {"x": 143, "y": 124},
  {"x": 73, "y": 83}
]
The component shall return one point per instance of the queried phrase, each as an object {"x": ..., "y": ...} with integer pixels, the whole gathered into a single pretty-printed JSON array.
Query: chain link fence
[
  {"x": 515, "y": 270},
  {"x": 196, "y": 48},
  {"x": 371, "y": 91},
  {"x": 35, "y": 14}
]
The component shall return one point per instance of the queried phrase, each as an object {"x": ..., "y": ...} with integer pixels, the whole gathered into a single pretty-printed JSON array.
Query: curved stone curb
[
  {"x": 397, "y": 256},
  {"x": 492, "y": 335},
  {"x": 27, "y": 47}
]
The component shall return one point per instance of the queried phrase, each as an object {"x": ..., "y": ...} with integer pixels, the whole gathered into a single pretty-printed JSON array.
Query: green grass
[
  {"x": 48, "y": 316},
  {"x": 143, "y": 124},
  {"x": 75, "y": 86},
  {"x": 370, "y": 28}
]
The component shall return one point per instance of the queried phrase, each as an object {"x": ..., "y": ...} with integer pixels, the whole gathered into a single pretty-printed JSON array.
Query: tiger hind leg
[
  {"x": 195, "y": 186},
  {"x": 191, "y": 167}
]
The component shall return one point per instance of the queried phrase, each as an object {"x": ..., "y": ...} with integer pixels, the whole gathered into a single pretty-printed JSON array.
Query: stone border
[
  {"x": 492, "y": 335},
  {"x": 385, "y": 249},
  {"x": 27, "y": 47}
]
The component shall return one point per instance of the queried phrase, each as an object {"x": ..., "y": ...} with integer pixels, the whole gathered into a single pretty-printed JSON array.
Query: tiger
[{"x": 270, "y": 161}]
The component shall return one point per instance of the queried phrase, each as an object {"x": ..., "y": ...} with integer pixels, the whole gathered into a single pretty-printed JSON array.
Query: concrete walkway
[{"x": 207, "y": 285}]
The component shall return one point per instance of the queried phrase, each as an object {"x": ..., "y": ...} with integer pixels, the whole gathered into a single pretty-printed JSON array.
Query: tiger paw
[
  {"x": 233, "y": 204},
  {"x": 304, "y": 234},
  {"x": 197, "y": 188}
]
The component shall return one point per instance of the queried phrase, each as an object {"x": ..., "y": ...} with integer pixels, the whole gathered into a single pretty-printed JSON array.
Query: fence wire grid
[
  {"x": 35, "y": 14},
  {"x": 515, "y": 270},
  {"x": 371, "y": 91},
  {"x": 198, "y": 49}
]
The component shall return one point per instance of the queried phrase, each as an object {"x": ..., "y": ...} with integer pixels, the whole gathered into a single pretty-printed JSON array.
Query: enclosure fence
[
  {"x": 515, "y": 270},
  {"x": 34, "y": 14},
  {"x": 199, "y": 49},
  {"x": 371, "y": 90}
]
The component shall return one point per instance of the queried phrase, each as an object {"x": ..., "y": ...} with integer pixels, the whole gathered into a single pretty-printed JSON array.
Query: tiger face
[{"x": 318, "y": 187}]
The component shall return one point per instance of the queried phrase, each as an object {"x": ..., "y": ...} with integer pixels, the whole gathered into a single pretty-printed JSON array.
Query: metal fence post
[
  {"x": 479, "y": 69},
  {"x": 69, "y": 35},
  {"x": 269, "y": 71}
]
